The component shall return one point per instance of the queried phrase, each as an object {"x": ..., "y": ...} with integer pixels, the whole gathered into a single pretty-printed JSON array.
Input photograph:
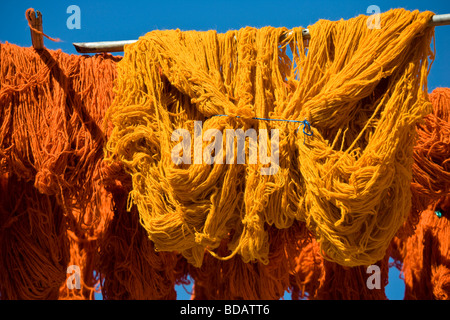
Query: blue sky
[{"x": 124, "y": 20}]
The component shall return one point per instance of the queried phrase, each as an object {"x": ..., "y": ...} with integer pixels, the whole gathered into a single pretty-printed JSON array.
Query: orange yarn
[
  {"x": 431, "y": 169},
  {"x": 316, "y": 278},
  {"x": 422, "y": 250},
  {"x": 51, "y": 142},
  {"x": 50, "y": 152},
  {"x": 128, "y": 263},
  {"x": 52, "y": 106},
  {"x": 426, "y": 256},
  {"x": 34, "y": 251},
  {"x": 31, "y": 11},
  {"x": 362, "y": 92},
  {"x": 60, "y": 205},
  {"x": 236, "y": 280}
]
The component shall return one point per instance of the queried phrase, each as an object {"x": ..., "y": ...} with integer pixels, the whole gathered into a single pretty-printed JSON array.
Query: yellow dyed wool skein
[{"x": 362, "y": 90}]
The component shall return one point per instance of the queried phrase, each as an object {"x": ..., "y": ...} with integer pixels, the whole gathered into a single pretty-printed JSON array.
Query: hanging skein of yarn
[
  {"x": 361, "y": 90},
  {"x": 431, "y": 169},
  {"x": 51, "y": 139},
  {"x": 421, "y": 250}
]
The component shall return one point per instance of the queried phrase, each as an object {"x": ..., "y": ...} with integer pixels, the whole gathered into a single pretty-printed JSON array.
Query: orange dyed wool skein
[{"x": 362, "y": 90}]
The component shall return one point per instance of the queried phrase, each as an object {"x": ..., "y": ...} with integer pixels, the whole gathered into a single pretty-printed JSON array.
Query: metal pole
[
  {"x": 440, "y": 20},
  {"x": 118, "y": 46},
  {"x": 103, "y": 46}
]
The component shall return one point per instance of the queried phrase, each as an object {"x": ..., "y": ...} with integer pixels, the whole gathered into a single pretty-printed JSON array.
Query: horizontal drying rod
[{"x": 118, "y": 46}]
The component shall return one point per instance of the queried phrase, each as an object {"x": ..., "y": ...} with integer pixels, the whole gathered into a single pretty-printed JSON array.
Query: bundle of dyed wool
[
  {"x": 423, "y": 254},
  {"x": 51, "y": 143},
  {"x": 426, "y": 255},
  {"x": 236, "y": 280},
  {"x": 347, "y": 174},
  {"x": 308, "y": 272},
  {"x": 431, "y": 169},
  {"x": 58, "y": 198},
  {"x": 84, "y": 237},
  {"x": 34, "y": 249},
  {"x": 52, "y": 105},
  {"x": 316, "y": 278},
  {"x": 420, "y": 248},
  {"x": 130, "y": 267}
]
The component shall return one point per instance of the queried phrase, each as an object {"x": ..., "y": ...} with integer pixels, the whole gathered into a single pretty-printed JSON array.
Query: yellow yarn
[{"x": 363, "y": 91}]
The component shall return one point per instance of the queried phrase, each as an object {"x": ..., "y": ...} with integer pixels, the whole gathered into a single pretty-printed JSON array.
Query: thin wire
[{"x": 305, "y": 123}]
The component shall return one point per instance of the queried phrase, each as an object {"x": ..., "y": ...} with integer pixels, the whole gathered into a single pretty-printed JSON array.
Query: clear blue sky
[{"x": 124, "y": 20}]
